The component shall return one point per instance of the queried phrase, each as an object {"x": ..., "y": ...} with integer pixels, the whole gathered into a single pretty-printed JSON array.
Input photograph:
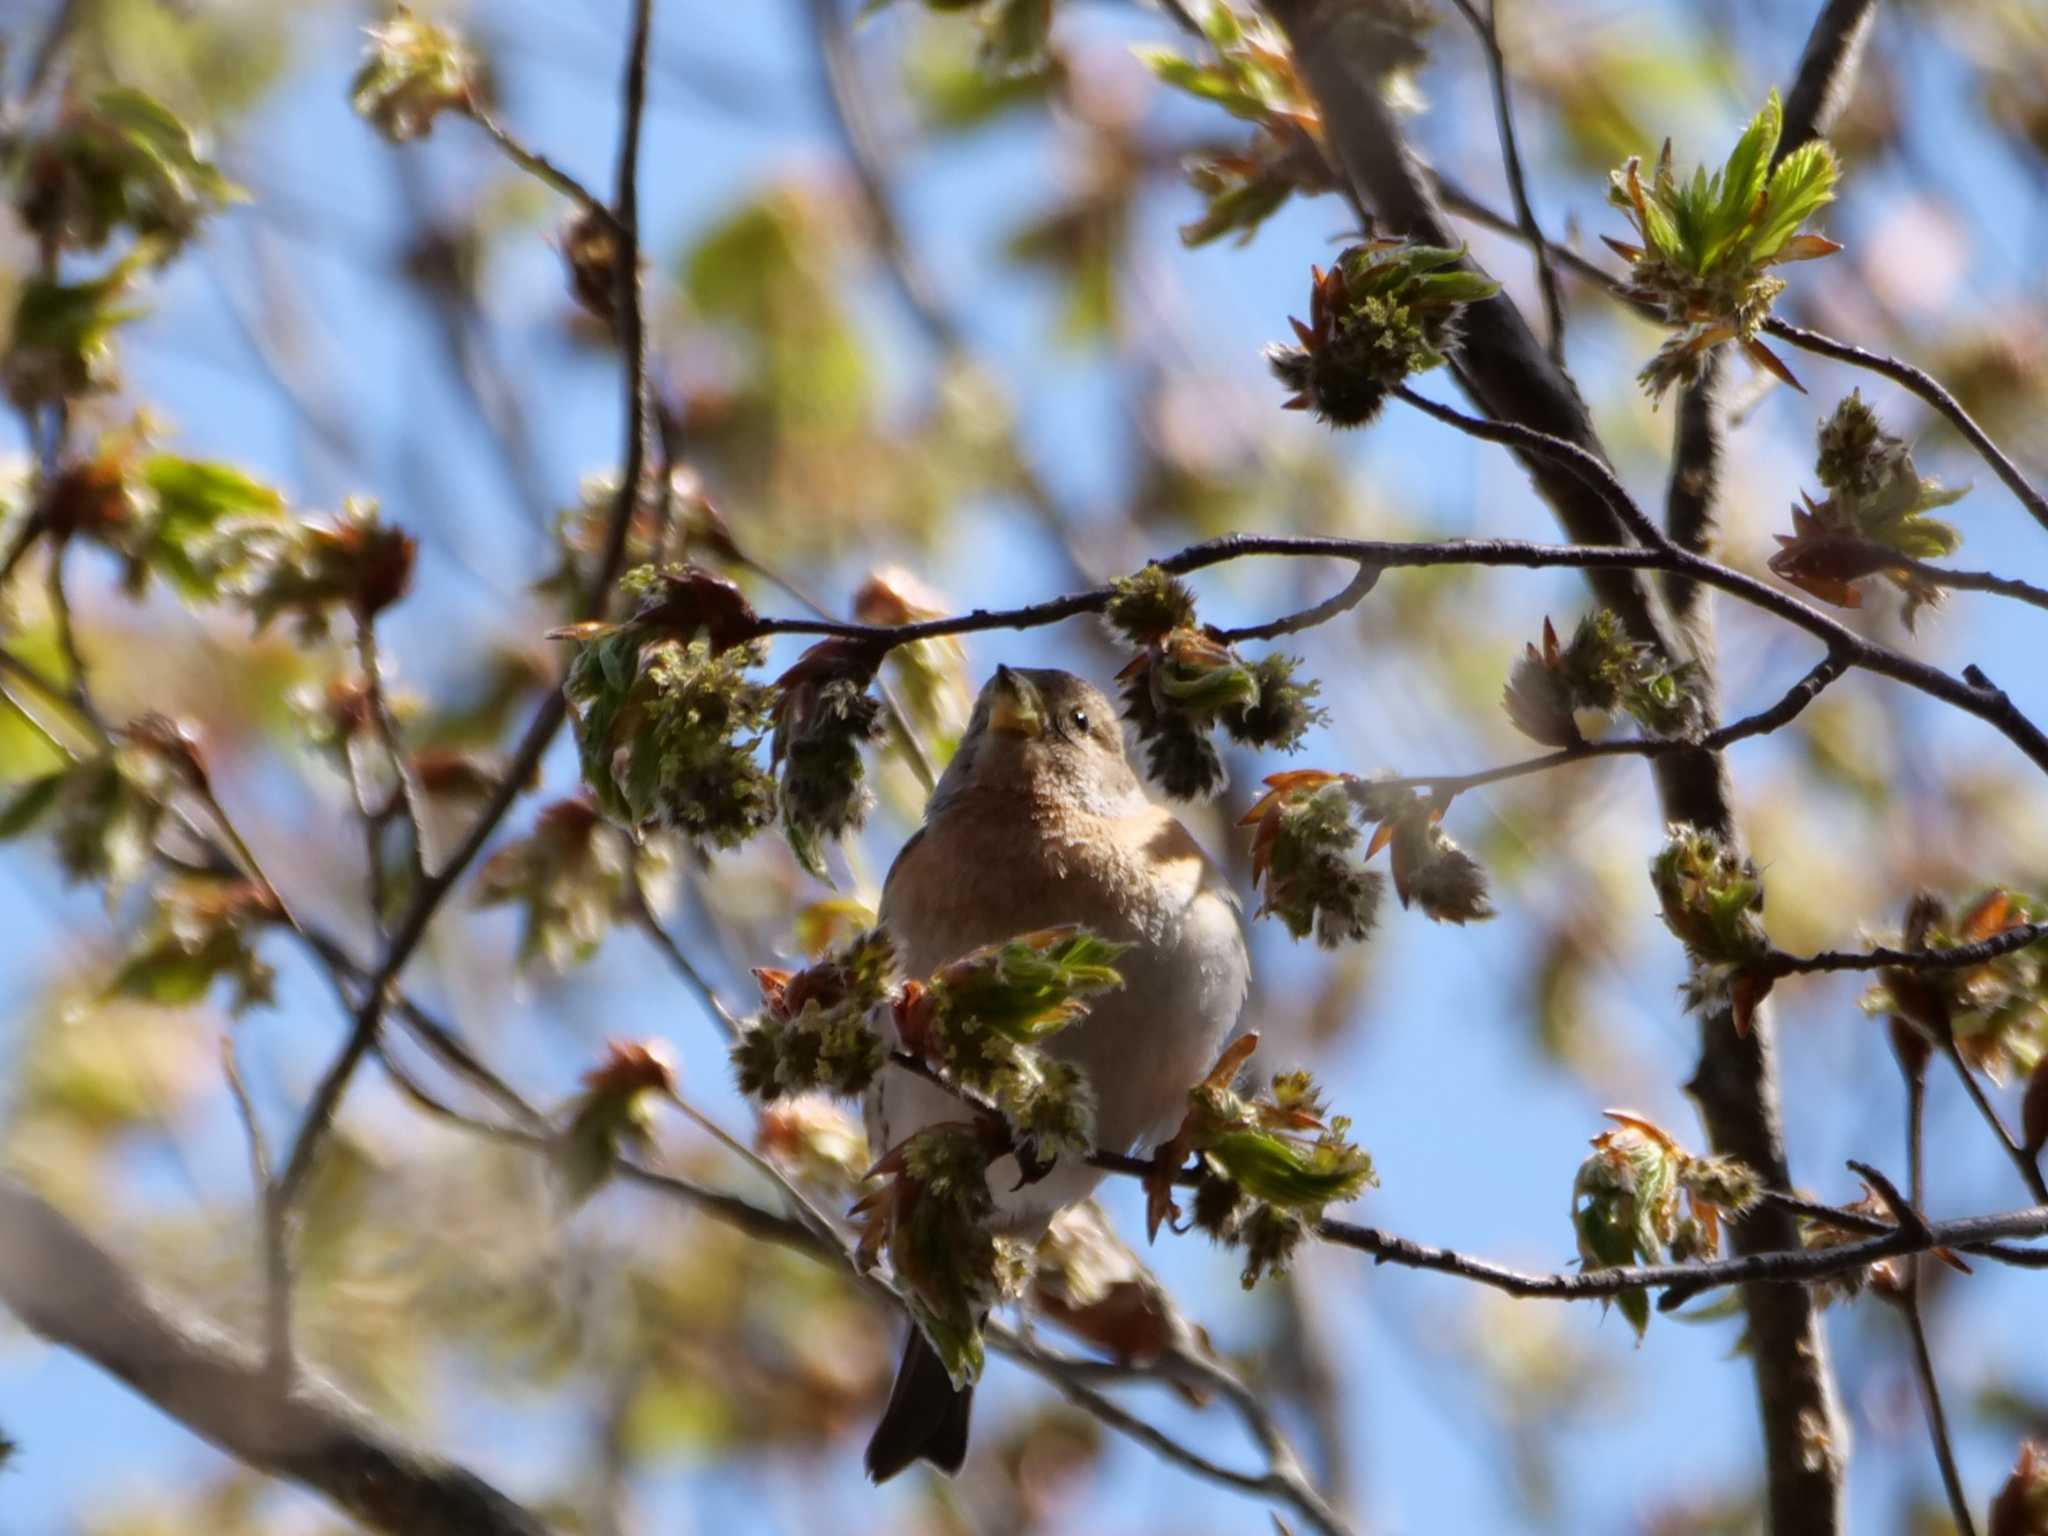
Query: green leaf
[
  {"x": 412, "y": 71},
  {"x": 1803, "y": 183},
  {"x": 1635, "y": 1306},
  {"x": 954, "y": 94},
  {"x": 1461, "y": 287},
  {"x": 1029, "y": 987},
  {"x": 61, "y": 343},
  {"x": 1236, "y": 207},
  {"x": 180, "y": 183},
  {"x": 1016, "y": 36},
  {"x": 1222, "y": 26},
  {"x": 1925, "y": 538},
  {"x": 1283, "y": 1172},
  {"x": 1743, "y": 178},
  {"x": 193, "y": 500},
  {"x": 31, "y": 803},
  {"x": 167, "y": 975},
  {"x": 200, "y": 931}
]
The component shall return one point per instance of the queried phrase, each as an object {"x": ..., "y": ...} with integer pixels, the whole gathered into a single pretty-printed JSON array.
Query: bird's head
[{"x": 1045, "y": 734}]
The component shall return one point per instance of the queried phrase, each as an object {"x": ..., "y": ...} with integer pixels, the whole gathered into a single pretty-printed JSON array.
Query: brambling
[{"x": 1039, "y": 821}]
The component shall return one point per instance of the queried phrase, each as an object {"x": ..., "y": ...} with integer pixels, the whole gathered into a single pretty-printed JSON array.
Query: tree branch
[
  {"x": 66, "y": 1288},
  {"x": 1488, "y": 29},
  {"x": 1354, "y": 592},
  {"x": 1971, "y": 693},
  {"x": 384, "y": 725},
  {"x": 1956, "y": 958},
  {"x": 1511, "y": 378},
  {"x": 1977, "y": 581},
  {"x": 1282, "y": 1482},
  {"x": 847, "y": 98},
  {"x": 1764, "y": 721},
  {"x": 541, "y": 168},
  {"x": 548, "y": 718},
  {"x": 1913, "y": 1066},
  {"x": 277, "y": 1271},
  {"x": 2028, "y": 1167},
  {"x": 1929, "y": 389},
  {"x": 1589, "y": 467}
]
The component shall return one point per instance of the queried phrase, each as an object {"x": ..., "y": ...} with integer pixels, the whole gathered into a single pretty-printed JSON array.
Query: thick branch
[
  {"x": 1805, "y": 1446},
  {"x": 1503, "y": 365},
  {"x": 68, "y": 1289},
  {"x": 1512, "y": 378}
]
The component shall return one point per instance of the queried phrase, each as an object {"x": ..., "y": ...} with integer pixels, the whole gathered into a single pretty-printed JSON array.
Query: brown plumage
[{"x": 1039, "y": 821}]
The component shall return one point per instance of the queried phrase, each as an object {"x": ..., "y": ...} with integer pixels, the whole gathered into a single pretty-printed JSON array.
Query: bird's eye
[{"x": 1080, "y": 720}]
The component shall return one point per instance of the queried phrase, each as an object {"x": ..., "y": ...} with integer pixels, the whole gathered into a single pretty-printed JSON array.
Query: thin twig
[
  {"x": 1971, "y": 694},
  {"x": 385, "y": 727},
  {"x": 847, "y": 98},
  {"x": 277, "y": 1273},
  {"x": 1937, "y": 1417},
  {"x": 238, "y": 847},
  {"x": 541, "y": 167},
  {"x": 49, "y": 48},
  {"x": 34, "y": 722},
  {"x": 650, "y": 924},
  {"x": 1362, "y": 581},
  {"x": 1977, "y": 581},
  {"x": 80, "y": 693},
  {"x": 1929, "y": 389},
  {"x": 1589, "y": 467},
  {"x": 1488, "y": 28},
  {"x": 1764, "y": 721},
  {"x": 1461, "y": 202},
  {"x": 1883, "y": 957},
  {"x": 2029, "y": 1167},
  {"x": 87, "y": 721},
  {"x": 437, "y": 1037},
  {"x": 548, "y": 718},
  {"x": 899, "y": 720},
  {"x": 1284, "y": 1485},
  {"x": 1915, "y": 1070},
  {"x": 1780, "y": 1266}
]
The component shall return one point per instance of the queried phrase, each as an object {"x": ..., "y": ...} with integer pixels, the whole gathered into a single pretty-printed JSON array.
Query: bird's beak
[{"x": 1017, "y": 709}]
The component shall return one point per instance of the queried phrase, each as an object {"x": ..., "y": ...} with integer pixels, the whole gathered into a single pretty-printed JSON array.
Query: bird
[{"x": 1040, "y": 821}]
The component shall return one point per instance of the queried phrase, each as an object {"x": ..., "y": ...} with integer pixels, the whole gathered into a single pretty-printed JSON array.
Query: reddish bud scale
[
  {"x": 89, "y": 497},
  {"x": 688, "y": 599}
]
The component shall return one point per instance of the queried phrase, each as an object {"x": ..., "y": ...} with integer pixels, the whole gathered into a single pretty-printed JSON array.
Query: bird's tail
[{"x": 926, "y": 1418}]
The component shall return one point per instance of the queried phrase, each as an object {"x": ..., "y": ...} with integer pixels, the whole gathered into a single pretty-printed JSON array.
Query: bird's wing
[
  {"x": 877, "y": 1108},
  {"x": 903, "y": 855}
]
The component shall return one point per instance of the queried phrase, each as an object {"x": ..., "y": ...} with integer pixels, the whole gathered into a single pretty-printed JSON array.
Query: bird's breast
[{"x": 1141, "y": 880}]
